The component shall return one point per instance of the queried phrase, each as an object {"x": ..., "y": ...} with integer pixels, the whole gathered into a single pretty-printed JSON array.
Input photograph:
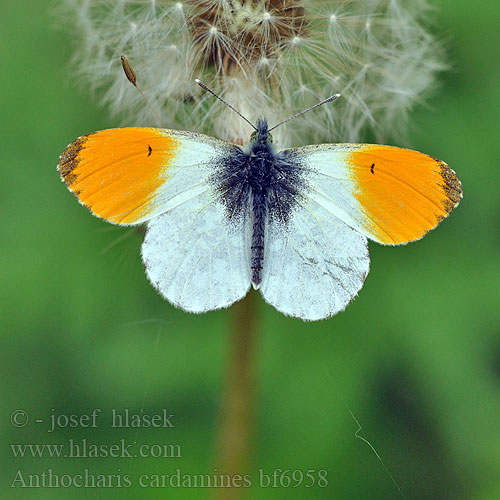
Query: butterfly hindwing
[
  {"x": 391, "y": 195},
  {"x": 314, "y": 265},
  {"x": 196, "y": 257}
]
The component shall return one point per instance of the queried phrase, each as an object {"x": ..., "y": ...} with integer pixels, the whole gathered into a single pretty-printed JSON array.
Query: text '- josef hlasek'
[{"x": 119, "y": 419}]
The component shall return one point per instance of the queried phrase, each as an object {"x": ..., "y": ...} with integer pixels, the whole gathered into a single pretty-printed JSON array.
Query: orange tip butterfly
[{"x": 293, "y": 223}]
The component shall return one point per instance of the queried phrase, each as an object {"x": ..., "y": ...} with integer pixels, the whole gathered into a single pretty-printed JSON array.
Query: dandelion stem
[{"x": 237, "y": 408}]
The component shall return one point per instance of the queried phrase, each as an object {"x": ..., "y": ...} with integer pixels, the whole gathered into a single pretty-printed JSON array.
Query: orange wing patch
[
  {"x": 403, "y": 193},
  {"x": 116, "y": 172}
]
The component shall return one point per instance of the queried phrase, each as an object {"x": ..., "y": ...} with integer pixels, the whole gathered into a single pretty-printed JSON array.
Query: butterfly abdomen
[{"x": 259, "y": 210}]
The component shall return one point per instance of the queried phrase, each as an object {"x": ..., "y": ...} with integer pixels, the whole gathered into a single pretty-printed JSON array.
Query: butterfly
[{"x": 293, "y": 223}]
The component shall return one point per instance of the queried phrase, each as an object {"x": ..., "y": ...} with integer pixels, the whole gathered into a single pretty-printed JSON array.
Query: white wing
[
  {"x": 195, "y": 256},
  {"x": 315, "y": 265}
]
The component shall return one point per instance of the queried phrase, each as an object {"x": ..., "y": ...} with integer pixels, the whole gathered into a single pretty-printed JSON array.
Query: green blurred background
[{"x": 416, "y": 356}]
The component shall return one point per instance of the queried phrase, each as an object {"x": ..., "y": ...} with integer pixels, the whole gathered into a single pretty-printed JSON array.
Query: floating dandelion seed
[{"x": 260, "y": 55}]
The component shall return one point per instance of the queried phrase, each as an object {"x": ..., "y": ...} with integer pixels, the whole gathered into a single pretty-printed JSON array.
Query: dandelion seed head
[{"x": 268, "y": 58}]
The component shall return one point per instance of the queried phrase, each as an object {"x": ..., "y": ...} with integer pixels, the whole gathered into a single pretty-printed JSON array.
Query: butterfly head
[{"x": 261, "y": 135}]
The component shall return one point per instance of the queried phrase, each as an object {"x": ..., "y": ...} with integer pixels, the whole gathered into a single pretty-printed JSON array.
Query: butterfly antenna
[
  {"x": 204, "y": 87},
  {"x": 132, "y": 78},
  {"x": 331, "y": 98}
]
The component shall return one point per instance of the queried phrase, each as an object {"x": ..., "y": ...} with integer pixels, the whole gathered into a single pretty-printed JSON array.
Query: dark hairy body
[{"x": 262, "y": 182}]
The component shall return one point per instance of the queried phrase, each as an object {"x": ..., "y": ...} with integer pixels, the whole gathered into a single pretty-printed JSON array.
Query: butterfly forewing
[
  {"x": 131, "y": 175},
  {"x": 391, "y": 195}
]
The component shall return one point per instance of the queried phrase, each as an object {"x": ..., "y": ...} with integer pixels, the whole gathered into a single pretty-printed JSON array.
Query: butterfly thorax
[{"x": 261, "y": 160}]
